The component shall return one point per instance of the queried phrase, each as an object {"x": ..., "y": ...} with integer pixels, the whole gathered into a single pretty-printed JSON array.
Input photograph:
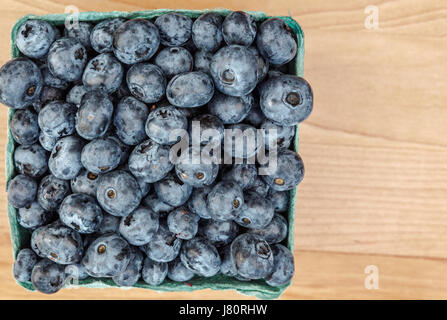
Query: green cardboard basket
[{"x": 20, "y": 237}]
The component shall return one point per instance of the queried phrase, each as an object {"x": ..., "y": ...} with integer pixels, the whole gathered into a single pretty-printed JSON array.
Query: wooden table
[{"x": 375, "y": 149}]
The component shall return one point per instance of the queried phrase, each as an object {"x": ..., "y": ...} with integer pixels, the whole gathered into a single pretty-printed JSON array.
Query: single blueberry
[
  {"x": 33, "y": 216},
  {"x": 85, "y": 182},
  {"x": 174, "y": 60},
  {"x": 48, "y": 277},
  {"x": 178, "y": 272},
  {"x": 225, "y": 201},
  {"x": 34, "y": 38},
  {"x": 207, "y": 32},
  {"x": 139, "y": 227},
  {"x": 24, "y": 264},
  {"x": 211, "y": 129},
  {"x": 153, "y": 272},
  {"x": 262, "y": 65},
  {"x": 80, "y": 31},
  {"x": 163, "y": 123},
  {"x": 284, "y": 267},
  {"x": 135, "y": 41},
  {"x": 75, "y": 272},
  {"x": 81, "y": 212},
  {"x": 65, "y": 159},
  {"x": 259, "y": 186},
  {"x": 58, "y": 243},
  {"x": 284, "y": 135},
  {"x": 131, "y": 274},
  {"x": 175, "y": 28},
  {"x": 227, "y": 268},
  {"x": 21, "y": 191},
  {"x": 101, "y": 36},
  {"x": 172, "y": 190},
  {"x": 252, "y": 256},
  {"x": 31, "y": 160},
  {"x": 201, "y": 257},
  {"x": 276, "y": 42},
  {"x": 243, "y": 174},
  {"x": 67, "y": 58},
  {"x": 57, "y": 119},
  {"x": 239, "y": 28},
  {"x": 52, "y": 192},
  {"x": 130, "y": 120},
  {"x": 183, "y": 223},
  {"x": 149, "y": 161},
  {"x": 164, "y": 246},
  {"x": 233, "y": 70},
  {"x": 286, "y": 100},
  {"x": 103, "y": 72},
  {"x": 146, "y": 82},
  {"x": 257, "y": 211},
  {"x": 20, "y": 83},
  {"x": 101, "y": 155},
  {"x": 118, "y": 193},
  {"x": 274, "y": 232},
  {"x": 190, "y": 89},
  {"x": 219, "y": 233},
  {"x": 230, "y": 109}
]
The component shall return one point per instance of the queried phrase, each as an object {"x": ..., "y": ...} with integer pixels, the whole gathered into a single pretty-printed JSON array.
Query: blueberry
[
  {"x": 255, "y": 117},
  {"x": 207, "y": 32},
  {"x": 101, "y": 36},
  {"x": 149, "y": 161},
  {"x": 279, "y": 199},
  {"x": 219, "y": 233},
  {"x": 230, "y": 109},
  {"x": 161, "y": 123},
  {"x": 259, "y": 186},
  {"x": 75, "y": 272},
  {"x": 75, "y": 94},
  {"x": 276, "y": 42},
  {"x": 225, "y": 200},
  {"x": 183, "y": 223},
  {"x": 248, "y": 141},
  {"x": 57, "y": 119},
  {"x": 109, "y": 224},
  {"x": 34, "y": 38},
  {"x": 172, "y": 190},
  {"x": 107, "y": 256},
  {"x": 33, "y": 216},
  {"x": 48, "y": 277},
  {"x": 81, "y": 212},
  {"x": 58, "y": 243},
  {"x": 284, "y": 267},
  {"x": 211, "y": 129},
  {"x": 252, "y": 256},
  {"x": 274, "y": 232},
  {"x": 164, "y": 246},
  {"x": 65, "y": 159},
  {"x": 52, "y": 81},
  {"x": 118, "y": 193},
  {"x": 101, "y": 155},
  {"x": 257, "y": 211},
  {"x": 284, "y": 135},
  {"x": 233, "y": 70},
  {"x": 31, "y": 160},
  {"x": 125, "y": 149},
  {"x": 193, "y": 169},
  {"x": 67, "y": 58},
  {"x": 202, "y": 61},
  {"x": 286, "y": 100},
  {"x": 131, "y": 274},
  {"x": 262, "y": 65},
  {"x": 197, "y": 202},
  {"x": 174, "y": 60},
  {"x": 190, "y": 89},
  {"x": 130, "y": 119},
  {"x": 201, "y": 257},
  {"x": 81, "y": 31},
  {"x": 153, "y": 272},
  {"x": 146, "y": 82},
  {"x": 21, "y": 191},
  {"x": 20, "y": 83},
  {"x": 24, "y": 264},
  {"x": 239, "y": 28},
  {"x": 227, "y": 268},
  {"x": 288, "y": 173},
  {"x": 155, "y": 204},
  {"x": 135, "y": 41},
  {"x": 178, "y": 272},
  {"x": 175, "y": 28},
  {"x": 94, "y": 114},
  {"x": 48, "y": 94},
  {"x": 103, "y": 72},
  {"x": 52, "y": 192},
  {"x": 243, "y": 174},
  {"x": 85, "y": 182},
  {"x": 144, "y": 187},
  {"x": 139, "y": 227}
]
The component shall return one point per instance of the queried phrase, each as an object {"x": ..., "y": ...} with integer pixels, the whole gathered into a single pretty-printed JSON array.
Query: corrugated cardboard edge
[{"x": 20, "y": 236}]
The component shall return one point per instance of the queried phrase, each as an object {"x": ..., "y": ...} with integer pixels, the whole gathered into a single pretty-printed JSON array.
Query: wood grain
[{"x": 375, "y": 149}]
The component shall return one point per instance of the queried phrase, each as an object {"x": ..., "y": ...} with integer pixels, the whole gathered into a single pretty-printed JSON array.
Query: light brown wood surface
[{"x": 375, "y": 149}]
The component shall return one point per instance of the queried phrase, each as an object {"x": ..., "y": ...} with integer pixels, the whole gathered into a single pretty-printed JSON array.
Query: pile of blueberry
[{"x": 94, "y": 108}]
